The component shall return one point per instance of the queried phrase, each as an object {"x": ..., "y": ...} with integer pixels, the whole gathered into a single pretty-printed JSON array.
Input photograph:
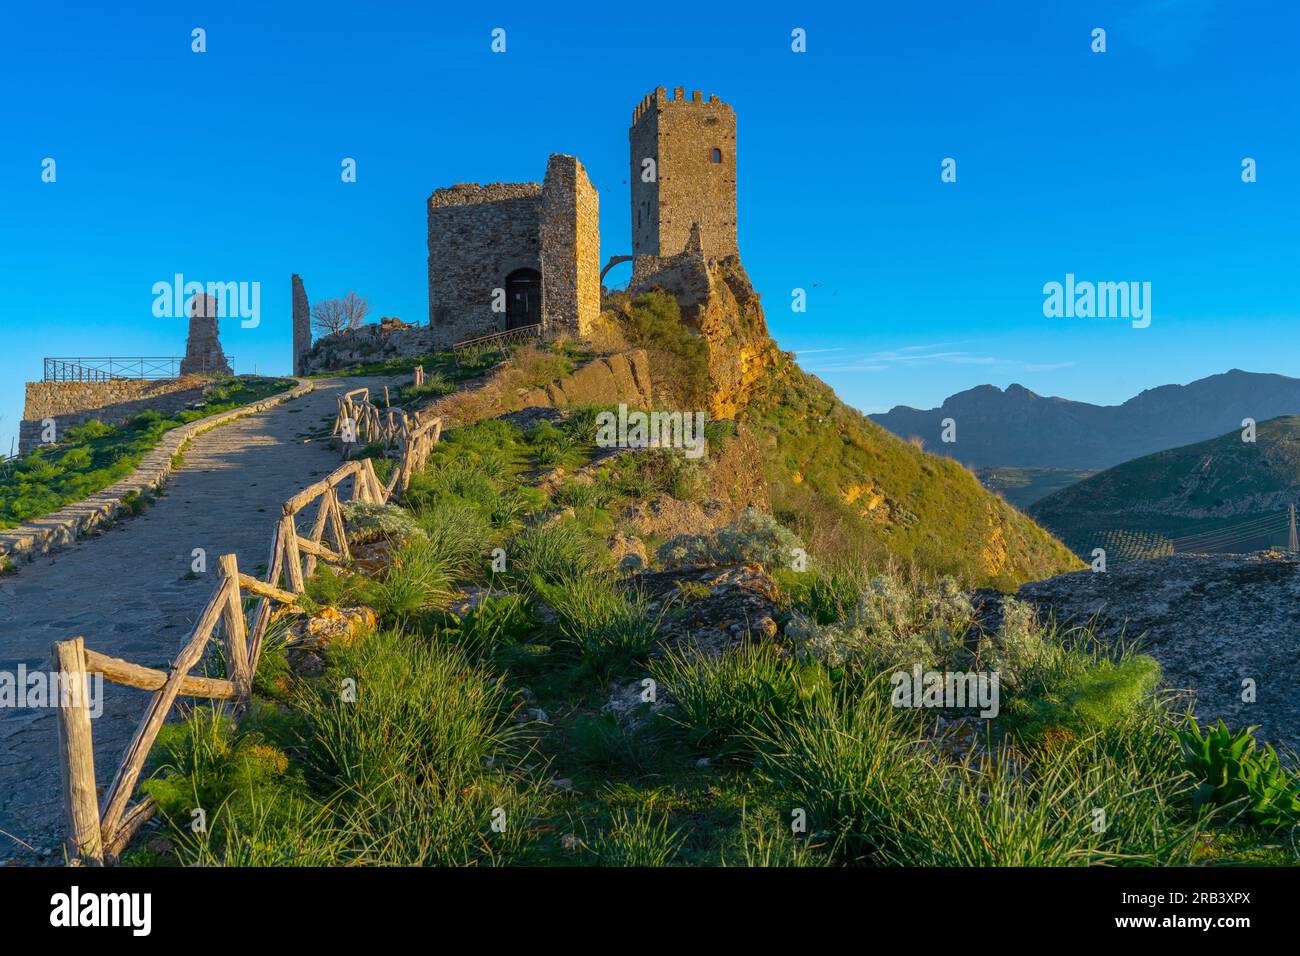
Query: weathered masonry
[
  {"x": 683, "y": 172},
  {"x": 508, "y": 255}
]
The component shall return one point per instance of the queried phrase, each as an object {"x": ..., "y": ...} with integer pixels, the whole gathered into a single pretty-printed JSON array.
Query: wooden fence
[
  {"x": 100, "y": 829},
  {"x": 361, "y": 422}
]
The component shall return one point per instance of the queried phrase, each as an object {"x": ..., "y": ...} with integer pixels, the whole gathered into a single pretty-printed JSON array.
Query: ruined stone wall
[
  {"x": 112, "y": 402},
  {"x": 477, "y": 236},
  {"x": 681, "y": 134},
  {"x": 301, "y": 323},
  {"x": 373, "y": 342},
  {"x": 570, "y": 240},
  {"x": 203, "y": 353}
]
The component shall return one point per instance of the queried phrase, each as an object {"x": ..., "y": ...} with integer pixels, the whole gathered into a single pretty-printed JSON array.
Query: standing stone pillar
[
  {"x": 203, "y": 355},
  {"x": 301, "y": 325}
]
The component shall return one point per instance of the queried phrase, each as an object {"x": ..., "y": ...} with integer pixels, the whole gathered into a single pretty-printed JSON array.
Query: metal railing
[
  {"x": 104, "y": 369},
  {"x": 496, "y": 342}
]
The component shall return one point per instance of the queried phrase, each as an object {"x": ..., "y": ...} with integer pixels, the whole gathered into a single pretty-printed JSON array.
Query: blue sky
[{"x": 1120, "y": 166}]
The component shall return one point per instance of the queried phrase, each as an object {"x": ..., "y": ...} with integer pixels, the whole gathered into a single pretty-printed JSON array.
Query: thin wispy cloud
[{"x": 916, "y": 356}]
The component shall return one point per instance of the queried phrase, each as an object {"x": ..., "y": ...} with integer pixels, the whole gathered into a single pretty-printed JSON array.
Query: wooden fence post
[
  {"x": 262, "y": 619},
  {"x": 77, "y": 753},
  {"x": 236, "y": 631},
  {"x": 317, "y": 531},
  {"x": 124, "y": 781},
  {"x": 337, "y": 531},
  {"x": 292, "y": 554}
]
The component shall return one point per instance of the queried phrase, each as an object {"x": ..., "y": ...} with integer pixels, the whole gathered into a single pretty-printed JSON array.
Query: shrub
[
  {"x": 1103, "y": 694},
  {"x": 495, "y": 621},
  {"x": 874, "y": 793},
  {"x": 458, "y": 533},
  {"x": 895, "y": 623},
  {"x": 754, "y": 537},
  {"x": 420, "y": 578},
  {"x": 418, "y": 705},
  {"x": 552, "y": 553},
  {"x": 764, "y": 839},
  {"x": 654, "y": 322}
]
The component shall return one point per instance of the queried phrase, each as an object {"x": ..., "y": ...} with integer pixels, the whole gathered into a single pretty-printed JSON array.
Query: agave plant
[{"x": 1233, "y": 768}]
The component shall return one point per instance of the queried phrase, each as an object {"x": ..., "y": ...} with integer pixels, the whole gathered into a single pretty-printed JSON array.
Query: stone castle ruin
[
  {"x": 683, "y": 174},
  {"x": 511, "y": 255},
  {"x": 507, "y": 256},
  {"x": 203, "y": 354}
]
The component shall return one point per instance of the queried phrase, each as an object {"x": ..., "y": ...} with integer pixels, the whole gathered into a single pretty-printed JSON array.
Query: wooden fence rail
[{"x": 99, "y": 830}]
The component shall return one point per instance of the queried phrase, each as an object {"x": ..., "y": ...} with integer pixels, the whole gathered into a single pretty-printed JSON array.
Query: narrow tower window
[{"x": 716, "y": 157}]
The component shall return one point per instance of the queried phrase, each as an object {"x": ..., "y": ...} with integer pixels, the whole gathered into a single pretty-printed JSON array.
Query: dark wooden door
[{"x": 523, "y": 298}]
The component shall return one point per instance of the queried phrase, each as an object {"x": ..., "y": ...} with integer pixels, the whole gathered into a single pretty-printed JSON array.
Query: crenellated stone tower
[{"x": 683, "y": 154}]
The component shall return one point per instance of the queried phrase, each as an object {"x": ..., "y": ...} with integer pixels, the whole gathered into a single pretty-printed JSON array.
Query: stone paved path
[{"x": 125, "y": 590}]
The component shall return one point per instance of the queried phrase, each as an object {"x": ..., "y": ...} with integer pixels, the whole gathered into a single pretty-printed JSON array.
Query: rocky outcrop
[
  {"x": 375, "y": 342},
  {"x": 1220, "y": 626},
  {"x": 718, "y": 301},
  {"x": 624, "y": 377},
  {"x": 203, "y": 354}
]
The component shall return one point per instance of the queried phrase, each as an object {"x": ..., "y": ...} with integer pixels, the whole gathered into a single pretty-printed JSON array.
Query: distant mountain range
[
  {"x": 1018, "y": 428},
  {"x": 1222, "y": 495}
]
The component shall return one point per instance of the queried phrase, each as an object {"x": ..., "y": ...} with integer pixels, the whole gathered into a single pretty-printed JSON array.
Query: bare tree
[{"x": 339, "y": 315}]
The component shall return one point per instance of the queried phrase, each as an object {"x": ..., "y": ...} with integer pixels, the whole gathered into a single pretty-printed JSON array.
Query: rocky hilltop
[
  {"x": 718, "y": 302},
  {"x": 1212, "y": 621},
  {"x": 1017, "y": 427},
  {"x": 849, "y": 488}
]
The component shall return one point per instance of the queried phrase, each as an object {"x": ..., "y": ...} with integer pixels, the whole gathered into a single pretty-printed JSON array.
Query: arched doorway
[{"x": 523, "y": 298}]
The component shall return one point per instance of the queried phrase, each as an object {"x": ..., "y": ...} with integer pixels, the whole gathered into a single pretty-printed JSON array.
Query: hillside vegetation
[
  {"x": 648, "y": 681},
  {"x": 853, "y": 490},
  {"x": 1223, "y": 494}
]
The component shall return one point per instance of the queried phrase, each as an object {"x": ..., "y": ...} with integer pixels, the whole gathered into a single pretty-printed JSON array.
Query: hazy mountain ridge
[{"x": 1016, "y": 427}]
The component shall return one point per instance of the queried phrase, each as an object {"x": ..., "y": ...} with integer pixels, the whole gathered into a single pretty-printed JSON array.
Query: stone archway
[{"x": 613, "y": 261}]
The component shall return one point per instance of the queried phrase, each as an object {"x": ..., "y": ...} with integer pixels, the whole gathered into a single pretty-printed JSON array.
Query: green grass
[
  {"x": 92, "y": 456},
  {"x": 856, "y": 493}
]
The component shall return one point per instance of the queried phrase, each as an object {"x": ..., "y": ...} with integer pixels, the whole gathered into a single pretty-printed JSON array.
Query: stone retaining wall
[
  {"x": 112, "y": 402},
  {"x": 65, "y": 526}
]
